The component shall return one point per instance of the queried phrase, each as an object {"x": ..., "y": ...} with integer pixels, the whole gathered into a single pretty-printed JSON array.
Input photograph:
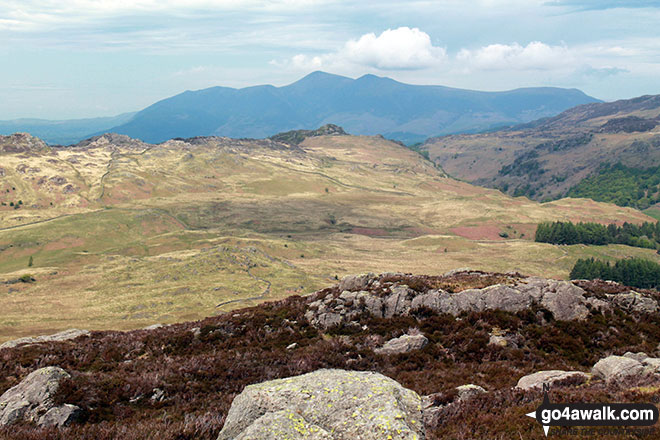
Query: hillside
[
  {"x": 120, "y": 234},
  {"x": 549, "y": 158},
  {"x": 368, "y": 105},
  {"x": 472, "y": 369}
]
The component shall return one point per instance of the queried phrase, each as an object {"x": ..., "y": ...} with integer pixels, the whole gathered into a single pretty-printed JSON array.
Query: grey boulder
[
  {"x": 32, "y": 400},
  {"x": 403, "y": 344},
  {"x": 326, "y": 404},
  {"x": 550, "y": 377},
  {"x": 614, "y": 368}
]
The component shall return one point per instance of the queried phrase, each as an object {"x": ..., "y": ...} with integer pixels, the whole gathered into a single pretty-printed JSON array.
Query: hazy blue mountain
[
  {"x": 367, "y": 105},
  {"x": 63, "y": 132}
]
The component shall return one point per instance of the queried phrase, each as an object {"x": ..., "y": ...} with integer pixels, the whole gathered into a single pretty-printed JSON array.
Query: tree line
[
  {"x": 646, "y": 235},
  {"x": 635, "y": 272}
]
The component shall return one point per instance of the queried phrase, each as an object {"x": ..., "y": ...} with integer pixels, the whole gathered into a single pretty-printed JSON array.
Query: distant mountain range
[
  {"x": 63, "y": 132},
  {"x": 367, "y": 105}
]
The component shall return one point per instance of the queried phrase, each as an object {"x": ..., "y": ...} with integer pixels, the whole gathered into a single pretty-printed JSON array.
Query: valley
[{"x": 547, "y": 158}]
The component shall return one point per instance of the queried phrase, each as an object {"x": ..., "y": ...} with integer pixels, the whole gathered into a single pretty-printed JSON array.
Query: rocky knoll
[
  {"x": 390, "y": 295},
  {"x": 32, "y": 400},
  {"x": 326, "y": 404}
]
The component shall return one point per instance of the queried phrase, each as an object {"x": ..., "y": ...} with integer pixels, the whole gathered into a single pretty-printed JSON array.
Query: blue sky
[{"x": 86, "y": 58}]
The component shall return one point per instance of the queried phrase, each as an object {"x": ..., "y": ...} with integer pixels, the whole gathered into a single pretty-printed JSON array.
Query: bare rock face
[
  {"x": 326, "y": 404},
  {"x": 536, "y": 380},
  {"x": 32, "y": 400},
  {"x": 61, "y": 336},
  {"x": 403, "y": 344}
]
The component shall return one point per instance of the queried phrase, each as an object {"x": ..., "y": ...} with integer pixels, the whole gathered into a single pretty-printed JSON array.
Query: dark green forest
[
  {"x": 646, "y": 235},
  {"x": 624, "y": 186},
  {"x": 634, "y": 272}
]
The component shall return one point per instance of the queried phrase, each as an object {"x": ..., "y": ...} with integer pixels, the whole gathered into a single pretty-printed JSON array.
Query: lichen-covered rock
[
  {"x": 32, "y": 400},
  {"x": 285, "y": 424},
  {"x": 634, "y": 302},
  {"x": 536, "y": 380},
  {"x": 326, "y": 404},
  {"x": 614, "y": 368},
  {"x": 61, "y": 336},
  {"x": 403, "y": 344}
]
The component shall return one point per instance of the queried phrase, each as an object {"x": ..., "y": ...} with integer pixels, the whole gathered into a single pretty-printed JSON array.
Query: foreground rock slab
[
  {"x": 32, "y": 400},
  {"x": 326, "y": 404}
]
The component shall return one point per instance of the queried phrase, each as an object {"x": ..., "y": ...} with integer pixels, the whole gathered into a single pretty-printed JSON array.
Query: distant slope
[
  {"x": 63, "y": 132},
  {"x": 367, "y": 105},
  {"x": 545, "y": 159}
]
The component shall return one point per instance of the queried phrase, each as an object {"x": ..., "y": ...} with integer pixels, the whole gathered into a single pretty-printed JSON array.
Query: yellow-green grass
[{"x": 169, "y": 232}]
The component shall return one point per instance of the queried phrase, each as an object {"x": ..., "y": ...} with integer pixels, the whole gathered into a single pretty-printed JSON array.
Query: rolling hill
[
  {"x": 612, "y": 145},
  {"x": 368, "y": 105},
  {"x": 119, "y": 234}
]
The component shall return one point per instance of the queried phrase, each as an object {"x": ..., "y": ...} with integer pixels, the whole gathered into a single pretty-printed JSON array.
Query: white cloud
[
  {"x": 535, "y": 56},
  {"x": 403, "y": 48}
]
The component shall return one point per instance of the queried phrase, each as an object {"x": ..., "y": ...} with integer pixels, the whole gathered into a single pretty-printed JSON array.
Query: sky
[{"x": 89, "y": 58}]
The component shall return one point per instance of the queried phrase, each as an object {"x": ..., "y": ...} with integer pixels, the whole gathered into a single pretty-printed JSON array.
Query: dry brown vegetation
[{"x": 114, "y": 374}]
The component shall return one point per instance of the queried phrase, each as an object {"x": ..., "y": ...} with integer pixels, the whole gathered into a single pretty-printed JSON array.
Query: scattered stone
[
  {"x": 466, "y": 392},
  {"x": 157, "y": 395},
  {"x": 403, "y": 344},
  {"x": 550, "y": 377},
  {"x": 196, "y": 331},
  {"x": 65, "y": 335},
  {"x": 345, "y": 404},
  {"x": 613, "y": 368},
  {"x": 32, "y": 400}
]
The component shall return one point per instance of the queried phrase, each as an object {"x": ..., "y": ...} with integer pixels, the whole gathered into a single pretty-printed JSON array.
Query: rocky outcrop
[
  {"x": 403, "y": 344},
  {"x": 32, "y": 400},
  {"x": 65, "y": 335},
  {"x": 551, "y": 377},
  {"x": 383, "y": 299},
  {"x": 325, "y": 404}
]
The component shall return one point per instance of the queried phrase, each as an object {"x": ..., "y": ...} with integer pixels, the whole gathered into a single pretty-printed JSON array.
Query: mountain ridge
[{"x": 367, "y": 105}]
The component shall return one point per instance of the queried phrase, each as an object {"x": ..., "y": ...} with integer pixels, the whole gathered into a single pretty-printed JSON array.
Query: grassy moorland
[{"x": 123, "y": 234}]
